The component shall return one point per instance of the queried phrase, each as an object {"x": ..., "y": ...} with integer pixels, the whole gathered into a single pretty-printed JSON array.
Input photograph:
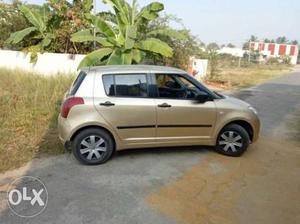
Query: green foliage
[
  {"x": 281, "y": 40},
  {"x": 11, "y": 21},
  {"x": 67, "y": 18},
  {"x": 35, "y": 18},
  {"x": 156, "y": 46},
  {"x": 253, "y": 38},
  {"x": 20, "y": 35},
  {"x": 230, "y": 45},
  {"x": 51, "y": 27},
  {"x": 95, "y": 56},
  {"x": 212, "y": 47},
  {"x": 122, "y": 36},
  {"x": 269, "y": 40},
  {"x": 213, "y": 57},
  {"x": 38, "y": 30},
  {"x": 183, "y": 43},
  {"x": 294, "y": 42},
  {"x": 279, "y": 60},
  {"x": 184, "y": 49}
]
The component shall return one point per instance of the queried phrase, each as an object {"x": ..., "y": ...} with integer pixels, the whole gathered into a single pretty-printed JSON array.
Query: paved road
[
  {"x": 115, "y": 192},
  {"x": 275, "y": 100}
]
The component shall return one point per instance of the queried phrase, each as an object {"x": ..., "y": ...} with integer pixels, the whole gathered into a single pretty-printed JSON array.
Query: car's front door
[
  {"x": 179, "y": 117},
  {"x": 126, "y": 107}
]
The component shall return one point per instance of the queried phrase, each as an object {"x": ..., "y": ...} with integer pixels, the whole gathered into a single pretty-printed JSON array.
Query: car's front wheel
[
  {"x": 233, "y": 140},
  {"x": 93, "y": 146}
]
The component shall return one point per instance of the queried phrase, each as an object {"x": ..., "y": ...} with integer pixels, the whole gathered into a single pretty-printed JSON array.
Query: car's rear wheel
[
  {"x": 93, "y": 146},
  {"x": 233, "y": 140}
]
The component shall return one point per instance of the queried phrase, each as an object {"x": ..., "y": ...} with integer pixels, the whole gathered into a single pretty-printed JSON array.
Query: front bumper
[{"x": 256, "y": 129}]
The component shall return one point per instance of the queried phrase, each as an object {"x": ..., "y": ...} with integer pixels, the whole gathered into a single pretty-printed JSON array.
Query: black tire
[
  {"x": 87, "y": 136},
  {"x": 232, "y": 145}
]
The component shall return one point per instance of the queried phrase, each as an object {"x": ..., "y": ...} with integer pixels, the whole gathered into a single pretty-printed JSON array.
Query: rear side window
[
  {"x": 109, "y": 85},
  {"x": 127, "y": 85},
  {"x": 81, "y": 76}
]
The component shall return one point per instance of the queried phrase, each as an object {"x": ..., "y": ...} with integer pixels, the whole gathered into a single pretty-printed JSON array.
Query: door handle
[
  {"x": 107, "y": 104},
  {"x": 164, "y": 105}
]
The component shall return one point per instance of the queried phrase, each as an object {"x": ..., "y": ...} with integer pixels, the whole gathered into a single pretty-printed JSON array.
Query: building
[
  {"x": 276, "y": 50},
  {"x": 236, "y": 52}
]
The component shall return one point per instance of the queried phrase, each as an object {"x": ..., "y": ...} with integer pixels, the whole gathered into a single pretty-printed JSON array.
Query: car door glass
[
  {"x": 175, "y": 87},
  {"x": 168, "y": 87},
  {"x": 191, "y": 89},
  {"x": 134, "y": 85},
  {"x": 127, "y": 85}
]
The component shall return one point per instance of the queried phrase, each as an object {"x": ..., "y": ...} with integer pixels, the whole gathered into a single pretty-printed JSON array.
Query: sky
[{"x": 231, "y": 21}]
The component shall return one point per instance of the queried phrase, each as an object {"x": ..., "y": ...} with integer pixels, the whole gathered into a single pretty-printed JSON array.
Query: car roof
[{"x": 133, "y": 68}]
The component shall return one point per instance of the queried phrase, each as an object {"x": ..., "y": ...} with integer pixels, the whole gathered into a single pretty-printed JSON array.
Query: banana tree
[
  {"x": 38, "y": 31},
  {"x": 121, "y": 42}
]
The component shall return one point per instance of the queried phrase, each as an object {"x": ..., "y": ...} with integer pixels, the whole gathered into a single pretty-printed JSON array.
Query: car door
[
  {"x": 125, "y": 105},
  {"x": 179, "y": 117}
]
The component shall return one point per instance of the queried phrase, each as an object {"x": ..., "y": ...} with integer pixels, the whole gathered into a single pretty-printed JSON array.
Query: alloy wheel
[
  {"x": 231, "y": 140},
  {"x": 93, "y": 147}
]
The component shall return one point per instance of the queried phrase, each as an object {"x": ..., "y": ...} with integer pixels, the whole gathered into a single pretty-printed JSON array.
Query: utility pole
[
  {"x": 249, "y": 58},
  {"x": 94, "y": 28}
]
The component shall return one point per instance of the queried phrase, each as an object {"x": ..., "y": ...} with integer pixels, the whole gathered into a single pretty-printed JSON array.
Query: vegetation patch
[
  {"x": 29, "y": 106},
  {"x": 246, "y": 76},
  {"x": 295, "y": 125}
]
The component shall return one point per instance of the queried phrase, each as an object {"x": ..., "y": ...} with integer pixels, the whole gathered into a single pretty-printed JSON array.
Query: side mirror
[{"x": 202, "y": 97}]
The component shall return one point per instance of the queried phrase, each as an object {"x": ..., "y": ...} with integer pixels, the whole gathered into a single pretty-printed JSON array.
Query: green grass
[
  {"x": 249, "y": 76},
  {"x": 29, "y": 105}
]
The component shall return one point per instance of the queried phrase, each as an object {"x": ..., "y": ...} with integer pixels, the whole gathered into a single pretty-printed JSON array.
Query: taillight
[{"x": 68, "y": 104}]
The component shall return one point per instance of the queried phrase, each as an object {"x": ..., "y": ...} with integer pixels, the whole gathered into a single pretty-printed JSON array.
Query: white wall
[
  {"x": 198, "y": 67},
  {"x": 47, "y": 64},
  {"x": 237, "y": 52}
]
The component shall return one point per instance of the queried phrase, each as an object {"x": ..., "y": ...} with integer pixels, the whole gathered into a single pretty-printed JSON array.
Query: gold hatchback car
[{"x": 112, "y": 108}]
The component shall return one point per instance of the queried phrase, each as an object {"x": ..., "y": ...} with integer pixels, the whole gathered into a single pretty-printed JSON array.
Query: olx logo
[
  {"x": 23, "y": 196},
  {"x": 27, "y": 196}
]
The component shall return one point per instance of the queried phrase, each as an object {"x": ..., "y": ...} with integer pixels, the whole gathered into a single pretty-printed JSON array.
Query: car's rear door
[{"x": 126, "y": 106}]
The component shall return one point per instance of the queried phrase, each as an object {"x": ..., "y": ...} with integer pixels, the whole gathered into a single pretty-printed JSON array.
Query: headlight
[{"x": 252, "y": 109}]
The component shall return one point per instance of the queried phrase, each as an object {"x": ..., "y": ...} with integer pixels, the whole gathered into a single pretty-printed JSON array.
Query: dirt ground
[{"x": 263, "y": 186}]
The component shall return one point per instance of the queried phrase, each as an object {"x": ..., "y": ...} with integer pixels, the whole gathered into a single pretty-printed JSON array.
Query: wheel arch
[
  {"x": 244, "y": 124},
  {"x": 97, "y": 127}
]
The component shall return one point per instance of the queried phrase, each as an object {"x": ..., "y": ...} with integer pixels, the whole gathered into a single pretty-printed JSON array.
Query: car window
[
  {"x": 77, "y": 83},
  {"x": 175, "y": 87},
  {"x": 109, "y": 85},
  {"x": 126, "y": 85}
]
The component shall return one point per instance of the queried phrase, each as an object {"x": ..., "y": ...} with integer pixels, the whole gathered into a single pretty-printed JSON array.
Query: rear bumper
[
  {"x": 64, "y": 129},
  {"x": 67, "y": 146}
]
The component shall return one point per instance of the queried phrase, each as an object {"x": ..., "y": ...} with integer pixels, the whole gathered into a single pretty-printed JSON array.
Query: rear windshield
[{"x": 77, "y": 83}]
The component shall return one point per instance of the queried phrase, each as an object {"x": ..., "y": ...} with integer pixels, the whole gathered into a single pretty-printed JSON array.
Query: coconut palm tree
[{"x": 121, "y": 37}]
